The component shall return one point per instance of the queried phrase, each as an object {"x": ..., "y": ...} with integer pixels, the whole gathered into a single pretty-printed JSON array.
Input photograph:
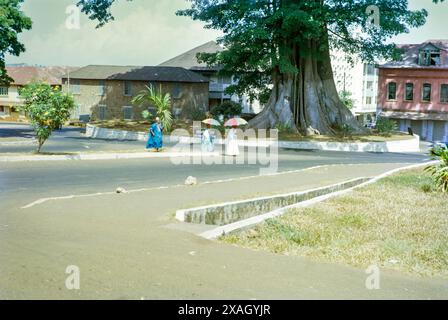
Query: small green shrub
[
  {"x": 227, "y": 109},
  {"x": 284, "y": 128},
  {"x": 197, "y": 114},
  {"x": 386, "y": 126},
  {"x": 427, "y": 188},
  {"x": 439, "y": 172},
  {"x": 344, "y": 130}
]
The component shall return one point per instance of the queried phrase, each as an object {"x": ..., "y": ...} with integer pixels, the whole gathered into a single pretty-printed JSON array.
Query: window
[
  {"x": 426, "y": 94},
  {"x": 444, "y": 93},
  {"x": 128, "y": 88},
  {"x": 102, "y": 112},
  {"x": 176, "y": 91},
  {"x": 75, "y": 86},
  {"x": 429, "y": 57},
  {"x": 102, "y": 88},
  {"x": 4, "y": 91},
  {"x": 409, "y": 95},
  {"x": 369, "y": 69},
  {"x": 392, "y": 91},
  {"x": 369, "y": 85},
  {"x": 127, "y": 113},
  {"x": 2, "y": 109},
  {"x": 368, "y": 100}
]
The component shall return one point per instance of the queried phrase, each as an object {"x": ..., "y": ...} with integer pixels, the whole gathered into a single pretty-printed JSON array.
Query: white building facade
[{"x": 361, "y": 80}]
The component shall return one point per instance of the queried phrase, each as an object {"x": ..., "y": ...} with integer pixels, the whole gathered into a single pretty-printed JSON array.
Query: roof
[
  {"x": 136, "y": 73},
  {"x": 411, "y": 55},
  {"x": 189, "y": 59},
  {"x": 23, "y": 75}
]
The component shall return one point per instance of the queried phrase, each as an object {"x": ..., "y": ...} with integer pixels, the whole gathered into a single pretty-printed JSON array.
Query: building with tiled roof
[
  {"x": 104, "y": 92},
  {"x": 413, "y": 90},
  {"x": 23, "y": 75},
  {"x": 218, "y": 83}
]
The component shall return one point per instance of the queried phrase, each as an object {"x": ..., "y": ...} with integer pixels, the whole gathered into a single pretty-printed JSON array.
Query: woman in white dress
[{"x": 232, "y": 143}]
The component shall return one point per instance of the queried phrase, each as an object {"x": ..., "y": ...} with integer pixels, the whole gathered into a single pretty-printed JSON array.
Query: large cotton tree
[
  {"x": 283, "y": 47},
  {"x": 287, "y": 43}
]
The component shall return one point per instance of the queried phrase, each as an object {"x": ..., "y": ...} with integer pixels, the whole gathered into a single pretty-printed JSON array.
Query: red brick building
[{"x": 414, "y": 90}]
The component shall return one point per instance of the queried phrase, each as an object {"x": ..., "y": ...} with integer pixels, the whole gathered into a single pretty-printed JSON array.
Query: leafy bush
[
  {"x": 346, "y": 130},
  {"x": 439, "y": 172},
  {"x": 284, "y": 128},
  {"x": 161, "y": 102},
  {"x": 427, "y": 188},
  {"x": 386, "y": 126},
  {"x": 227, "y": 109},
  {"x": 194, "y": 113},
  {"x": 346, "y": 98},
  {"x": 47, "y": 108}
]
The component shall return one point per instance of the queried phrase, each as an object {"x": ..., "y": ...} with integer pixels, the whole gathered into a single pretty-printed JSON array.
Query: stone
[
  {"x": 310, "y": 131},
  {"x": 191, "y": 181},
  {"x": 121, "y": 190}
]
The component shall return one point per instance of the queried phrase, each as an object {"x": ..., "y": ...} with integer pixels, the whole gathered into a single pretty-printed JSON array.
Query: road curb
[
  {"x": 101, "y": 156},
  {"x": 250, "y": 222}
]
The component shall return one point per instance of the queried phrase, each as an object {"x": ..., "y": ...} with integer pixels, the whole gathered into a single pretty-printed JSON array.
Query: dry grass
[
  {"x": 393, "y": 224},
  {"x": 143, "y": 126}
]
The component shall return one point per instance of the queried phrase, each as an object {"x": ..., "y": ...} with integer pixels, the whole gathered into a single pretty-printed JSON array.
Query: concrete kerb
[
  {"x": 252, "y": 221},
  {"x": 27, "y": 142},
  {"x": 400, "y": 146},
  {"x": 101, "y": 156},
  {"x": 230, "y": 212}
]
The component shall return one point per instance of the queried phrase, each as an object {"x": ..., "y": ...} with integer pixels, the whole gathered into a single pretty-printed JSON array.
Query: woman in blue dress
[{"x": 155, "y": 140}]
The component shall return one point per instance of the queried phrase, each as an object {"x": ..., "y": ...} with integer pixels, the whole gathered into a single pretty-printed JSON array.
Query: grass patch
[
  {"x": 143, "y": 126},
  {"x": 393, "y": 223}
]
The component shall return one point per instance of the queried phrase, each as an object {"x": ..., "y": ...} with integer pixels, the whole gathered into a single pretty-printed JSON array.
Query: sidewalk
[{"x": 128, "y": 246}]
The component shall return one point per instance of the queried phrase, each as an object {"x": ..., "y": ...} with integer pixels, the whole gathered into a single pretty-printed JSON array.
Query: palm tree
[
  {"x": 440, "y": 171},
  {"x": 160, "y": 101}
]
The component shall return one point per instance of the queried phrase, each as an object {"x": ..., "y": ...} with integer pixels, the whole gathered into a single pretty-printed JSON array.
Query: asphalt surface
[
  {"x": 129, "y": 246},
  {"x": 76, "y": 177}
]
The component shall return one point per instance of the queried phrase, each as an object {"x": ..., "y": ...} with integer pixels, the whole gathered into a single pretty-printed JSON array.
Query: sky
[{"x": 145, "y": 32}]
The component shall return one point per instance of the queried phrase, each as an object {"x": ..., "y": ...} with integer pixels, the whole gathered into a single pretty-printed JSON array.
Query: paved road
[
  {"x": 67, "y": 140},
  {"x": 129, "y": 246}
]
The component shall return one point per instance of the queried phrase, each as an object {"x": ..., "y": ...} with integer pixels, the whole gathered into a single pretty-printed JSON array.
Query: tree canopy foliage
[
  {"x": 47, "y": 108},
  {"x": 12, "y": 22}
]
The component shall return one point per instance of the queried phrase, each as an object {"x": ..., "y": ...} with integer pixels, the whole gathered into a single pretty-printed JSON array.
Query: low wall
[
  {"x": 95, "y": 132},
  {"x": 411, "y": 145},
  {"x": 231, "y": 212},
  {"x": 399, "y": 146}
]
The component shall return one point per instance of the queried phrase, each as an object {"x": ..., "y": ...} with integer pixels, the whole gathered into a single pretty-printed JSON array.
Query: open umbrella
[
  {"x": 211, "y": 122},
  {"x": 235, "y": 122}
]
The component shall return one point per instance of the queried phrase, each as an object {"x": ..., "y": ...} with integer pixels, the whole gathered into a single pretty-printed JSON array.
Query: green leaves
[
  {"x": 161, "y": 102},
  {"x": 440, "y": 171},
  {"x": 386, "y": 126},
  {"x": 12, "y": 22},
  {"x": 262, "y": 35},
  {"x": 47, "y": 108}
]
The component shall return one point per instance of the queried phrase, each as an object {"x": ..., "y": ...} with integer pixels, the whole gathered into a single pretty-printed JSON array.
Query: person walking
[
  {"x": 232, "y": 143},
  {"x": 155, "y": 140}
]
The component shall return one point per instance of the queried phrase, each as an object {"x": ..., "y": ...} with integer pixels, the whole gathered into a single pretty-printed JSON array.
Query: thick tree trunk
[{"x": 307, "y": 101}]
